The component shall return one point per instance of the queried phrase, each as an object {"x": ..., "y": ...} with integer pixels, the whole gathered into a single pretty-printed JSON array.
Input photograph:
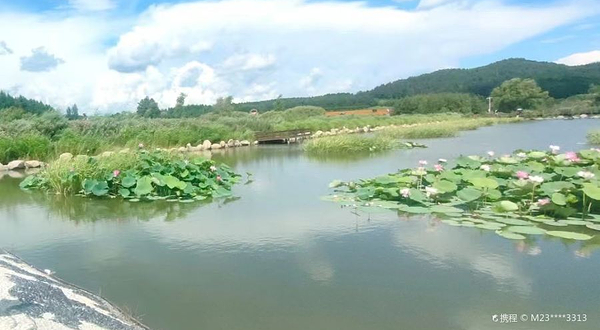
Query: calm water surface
[{"x": 280, "y": 258}]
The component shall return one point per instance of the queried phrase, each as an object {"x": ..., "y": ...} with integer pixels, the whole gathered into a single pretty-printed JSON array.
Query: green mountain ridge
[{"x": 561, "y": 81}]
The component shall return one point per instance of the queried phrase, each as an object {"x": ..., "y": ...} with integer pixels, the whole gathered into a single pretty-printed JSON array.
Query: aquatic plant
[
  {"x": 443, "y": 129},
  {"x": 524, "y": 193},
  {"x": 350, "y": 144},
  {"x": 593, "y": 137},
  {"x": 136, "y": 175}
]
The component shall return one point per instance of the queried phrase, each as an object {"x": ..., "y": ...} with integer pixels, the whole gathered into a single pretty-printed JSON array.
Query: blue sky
[{"x": 105, "y": 55}]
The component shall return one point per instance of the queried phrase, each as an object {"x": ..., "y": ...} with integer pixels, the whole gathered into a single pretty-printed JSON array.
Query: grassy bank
[
  {"x": 47, "y": 136},
  {"x": 448, "y": 128},
  {"x": 388, "y": 138}
]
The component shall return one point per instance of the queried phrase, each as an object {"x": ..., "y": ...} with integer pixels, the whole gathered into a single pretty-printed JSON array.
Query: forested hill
[
  {"x": 559, "y": 80},
  {"x": 28, "y": 105}
]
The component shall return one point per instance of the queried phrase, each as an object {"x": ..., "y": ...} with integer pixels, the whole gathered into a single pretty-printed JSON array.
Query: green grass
[
  {"x": 47, "y": 136},
  {"x": 355, "y": 143},
  {"x": 593, "y": 137},
  {"x": 442, "y": 129}
]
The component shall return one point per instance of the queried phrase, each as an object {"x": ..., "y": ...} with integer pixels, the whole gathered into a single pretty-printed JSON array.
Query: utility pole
[{"x": 489, "y": 104}]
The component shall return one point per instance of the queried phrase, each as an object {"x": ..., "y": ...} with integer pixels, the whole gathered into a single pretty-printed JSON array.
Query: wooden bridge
[{"x": 288, "y": 136}]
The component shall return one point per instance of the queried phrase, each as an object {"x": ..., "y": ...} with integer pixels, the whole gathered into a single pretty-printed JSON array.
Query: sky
[{"x": 105, "y": 55}]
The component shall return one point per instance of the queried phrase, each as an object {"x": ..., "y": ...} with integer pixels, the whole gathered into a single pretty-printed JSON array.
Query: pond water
[{"x": 280, "y": 258}]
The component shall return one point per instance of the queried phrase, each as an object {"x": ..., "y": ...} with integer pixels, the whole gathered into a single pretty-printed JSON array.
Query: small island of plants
[
  {"x": 524, "y": 193},
  {"x": 137, "y": 175}
]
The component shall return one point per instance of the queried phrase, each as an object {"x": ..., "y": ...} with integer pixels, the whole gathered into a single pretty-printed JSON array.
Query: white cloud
[
  {"x": 249, "y": 61},
  {"x": 40, "y": 60},
  {"x": 311, "y": 79},
  {"x": 4, "y": 50},
  {"x": 580, "y": 58},
  {"x": 254, "y": 49}
]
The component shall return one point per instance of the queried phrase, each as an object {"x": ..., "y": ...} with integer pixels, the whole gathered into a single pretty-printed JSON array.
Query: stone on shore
[
  {"x": 33, "y": 164},
  {"x": 215, "y": 146},
  {"x": 107, "y": 154},
  {"x": 245, "y": 143},
  {"x": 206, "y": 145},
  {"x": 237, "y": 143},
  {"x": 65, "y": 156},
  {"x": 16, "y": 165}
]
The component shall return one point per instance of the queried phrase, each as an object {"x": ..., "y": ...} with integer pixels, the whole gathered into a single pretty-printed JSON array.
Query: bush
[
  {"x": 439, "y": 103},
  {"x": 31, "y": 146}
]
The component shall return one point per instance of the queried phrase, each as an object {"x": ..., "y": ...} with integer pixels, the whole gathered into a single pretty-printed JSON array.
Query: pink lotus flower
[
  {"x": 522, "y": 175},
  {"x": 116, "y": 173},
  {"x": 543, "y": 201},
  {"x": 422, "y": 162},
  {"x": 438, "y": 167},
  {"x": 572, "y": 156},
  {"x": 554, "y": 149},
  {"x": 405, "y": 192},
  {"x": 491, "y": 153},
  {"x": 219, "y": 179}
]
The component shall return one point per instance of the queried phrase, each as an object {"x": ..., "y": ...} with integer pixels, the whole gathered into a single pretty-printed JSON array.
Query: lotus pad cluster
[
  {"x": 145, "y": 175},
  {"x": 518, "y": 195}
]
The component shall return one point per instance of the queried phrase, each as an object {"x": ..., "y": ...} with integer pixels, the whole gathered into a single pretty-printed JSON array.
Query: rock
[
  {"x": 107, "y": 154},
  {"x": 65, "y": 156},
  {"x": 245, "y": 143},
  {"x": 215, "y": 146},
  {"x": 182, "y": 149},
  {"x": 255, "y": 143},
  {"x": 365, "y": 129},
  {"x": 206, "y": 144},
  {"x": 33, "y": 164},
  {"x": 39, "y": 300},
  {"x": 3, "y": 167},
  {"x": 223, "y": 144},
  {"x": 200, "y": 147},
  {"x": 189, "y": 145},
  {"x": 16, "y": 165},
  {"x": 195, "y": 149},
  {"x": 230, "y": 143},
  {"x": 173, "y": 150},
  {"x": 237, "y": 143},
  {"x": 583, "y": 116},
  {"x": 318, "y": 134},
  {"x": 81, "y": 158}
]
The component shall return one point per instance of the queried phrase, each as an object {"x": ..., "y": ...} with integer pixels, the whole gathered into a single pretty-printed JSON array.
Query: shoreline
[{"x": 37, "y": 299}]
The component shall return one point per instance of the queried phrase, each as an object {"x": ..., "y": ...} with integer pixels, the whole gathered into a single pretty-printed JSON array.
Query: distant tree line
[{"x": 21, "y": 102}]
